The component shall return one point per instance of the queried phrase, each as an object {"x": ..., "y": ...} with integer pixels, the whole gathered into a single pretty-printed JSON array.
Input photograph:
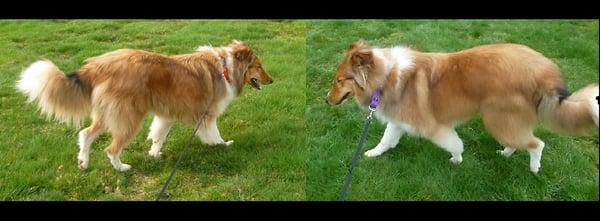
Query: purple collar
[{"x": 375, "y": 99}]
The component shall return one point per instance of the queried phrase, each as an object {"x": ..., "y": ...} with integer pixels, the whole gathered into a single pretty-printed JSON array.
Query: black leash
[
  {"x": 162, "y": 191},
  {"x": 374, "y": 103},
  {"x": 361, "y": 142}
]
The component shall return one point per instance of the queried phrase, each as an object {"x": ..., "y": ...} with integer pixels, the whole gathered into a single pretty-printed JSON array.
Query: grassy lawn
[
  {"x": 418, "y": 170},
  {"x": 267, "y": 161},
  {"x": 289, "y": 144}
]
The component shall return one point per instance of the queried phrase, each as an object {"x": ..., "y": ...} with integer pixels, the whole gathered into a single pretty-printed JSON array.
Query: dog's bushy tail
[
  {"x": 570, "y": 114},
  {"x": 66, "y": 98}
]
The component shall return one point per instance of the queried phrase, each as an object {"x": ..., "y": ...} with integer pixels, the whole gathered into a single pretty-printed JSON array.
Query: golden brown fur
[
  {"x": 510, "y": 85},
  {"x": 120, "y": 87}
]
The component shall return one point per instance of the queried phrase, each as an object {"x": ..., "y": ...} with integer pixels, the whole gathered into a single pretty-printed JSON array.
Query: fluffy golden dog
[
  {"x": 118, "y": 88},
  {"x": 428, "y": 94}
]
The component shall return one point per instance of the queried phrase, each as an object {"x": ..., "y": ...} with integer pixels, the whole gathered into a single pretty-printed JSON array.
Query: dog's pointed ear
[
  {"x": 237, "y": 42},
  {"x": 363, "y": 57},
  {"x": 361, "y": 53},
  {"x": 359, "y": 44},
  {"x": 242, "y": 52}
]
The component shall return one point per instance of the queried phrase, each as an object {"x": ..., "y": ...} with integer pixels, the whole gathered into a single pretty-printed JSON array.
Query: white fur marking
[
  {"x": 390, "y": 139},
  {"x": 535, "y": 157},
  {"x": 209, "y": 134},
  {"x": 403, "y": 57},
  {"x": 158, "y": 134},
  {"x": 116, "y": 162},
  {"x": 85, "y": 141},
  {"x": 507, "y": 152},
  {"x": 208, "y": 48},
  {"x": 387, "y": 65},
  {"x": 453, "y": 144},
  {"x": 380, "y": 116},
  {"x": 230, "y": 94},
  {"x": 34, "y": 79},
  {"x": 399, "y": 57},
  {"x": 406, "y": 128}
]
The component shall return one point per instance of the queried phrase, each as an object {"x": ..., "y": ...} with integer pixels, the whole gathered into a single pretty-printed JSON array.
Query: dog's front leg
[
  {"x": 158, "y": 134},
  {"x": 390, "y": 139},
  {"x": 209, "y": 133},
  {"x": 448, "y": 139}
]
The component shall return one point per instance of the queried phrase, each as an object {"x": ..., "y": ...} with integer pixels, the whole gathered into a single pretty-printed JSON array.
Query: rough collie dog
[
  {"x": 118, "y": 88},
  {"x": 427, "y": 94}
]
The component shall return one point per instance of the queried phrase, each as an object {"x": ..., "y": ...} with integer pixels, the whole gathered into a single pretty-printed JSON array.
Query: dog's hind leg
[
  {"x": 390, "y": 139},
  {"x": 86, "y": 138},
  {"x": 158, "y": 134},
  {"x": 114, "y": 150},
  {"x": 123, "y": 126},
  {"x": 448, "y": 139},
  {"x": 209, "y": 132},
  {"x": 535, "y": 148},
  {"x": 514, "y": 128}
]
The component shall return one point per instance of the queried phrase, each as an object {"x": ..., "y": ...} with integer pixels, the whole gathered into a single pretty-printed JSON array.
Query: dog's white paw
[
  {"x": 507, "y": 152},
  {"x": 155, "y": 153},
  {"x": 504, "y": 153},
  {"x": 373, "y": 152},
  {"x": 228, "y": 143},
  {"x": 456, "y": 160},
  {"x": 124, "y": 167},
  {"x": 535, "y": 168},
  {"x": 82, "y": 164},
  {"x": 501, "y": 152}
]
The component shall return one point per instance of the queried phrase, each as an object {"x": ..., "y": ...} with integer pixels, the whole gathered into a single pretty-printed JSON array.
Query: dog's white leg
[
  {"x": 86, "y": 138},
  {"x": 448, "y": 139},
  {"x": 535, "y": 157},
  {"x": 115, "y": 160},
  {"x": 209, "y": 134},
  {"x": 507, "y": 152},
  {"x": 390, "y": 139},
  {"x": 158, "y": 134}
]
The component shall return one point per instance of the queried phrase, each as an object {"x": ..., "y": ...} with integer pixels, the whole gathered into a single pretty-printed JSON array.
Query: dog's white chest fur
[
  {"x": 225, "y": 101},
  {"x": 404, "y": 126}
]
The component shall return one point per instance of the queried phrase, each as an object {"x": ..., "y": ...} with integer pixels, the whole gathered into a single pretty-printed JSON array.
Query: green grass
[
  {"x": 282, "y": 152},
  {"x": 267, "y": 161},
  {"x": 418, "y": 170}
]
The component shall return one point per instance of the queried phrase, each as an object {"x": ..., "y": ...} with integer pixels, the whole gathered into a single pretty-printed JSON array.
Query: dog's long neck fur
[
  {"x": 401, "y": 70},
  {"x": 236, "y": 68},
  {"x": 390, "y": 66}
]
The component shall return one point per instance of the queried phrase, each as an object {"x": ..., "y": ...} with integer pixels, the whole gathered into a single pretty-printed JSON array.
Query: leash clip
[{"x": 371, "y": 113}]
